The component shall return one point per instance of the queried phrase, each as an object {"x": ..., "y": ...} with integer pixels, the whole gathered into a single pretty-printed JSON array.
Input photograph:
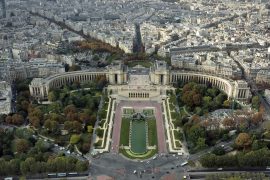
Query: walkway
[{"x": 138, "y": 104}]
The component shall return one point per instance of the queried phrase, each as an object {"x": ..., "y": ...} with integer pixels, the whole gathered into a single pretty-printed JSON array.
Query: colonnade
[
  {"x": 62, "y": 80},
  {"x": 138, "y": 95},
  {"x": 242, "y": 93},
  {"x": 218, "y": 82}
]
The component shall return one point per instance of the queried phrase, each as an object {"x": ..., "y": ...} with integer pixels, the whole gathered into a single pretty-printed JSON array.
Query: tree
[
  {"x": 201, "y": 143},
  {"x": 208, "y": 160},
  {"x": 55, "y": 107},
  {"x": 68, "y": 126},
  {"x": 35, "y": 113},
  {"x": 8, "y": 119},
  {"x": 228, "y": 122},
  {"x": 255, "y": 145},
  {"x": 84, "y": 117},
  {"x": 52, "y": 126},
  {"x": 195, "y": 132},
  {"x": 256, "y": 118},
  {"x": 255, "y": 102},
  {"x": 74, "y": 139},
  {"x": 81, "y": 166},
  {"x": 197, "y": 99},
  {"x": 17, "y": 119},
  {"x": 220, "y": 99},
  {"x": 70, "y": 109},
  {"x": 89, "y": 129},
  {"x": 227, "y": 103},
  {"x": 85, "y": 147},
  {"x": 42, "y": 146},
  {"x": 218, "y": 151},
  {"x": 206, "y": 101},
  {"x": 195, "y": 119},
  {"x": 52, "y": 96},
  {"x": 101, "y": 82},
  {"x": 76, "y": 127},
  {"x": 24, "y": 105},
  {"x": 92, "y": 120},
  {"x": 35, "y": 121},
  {"x": 212, "y": 92},
  {"x": 21, "y": 145},
  {"x": 72, "y": 116},
  {"x": 243, "y": 140}
]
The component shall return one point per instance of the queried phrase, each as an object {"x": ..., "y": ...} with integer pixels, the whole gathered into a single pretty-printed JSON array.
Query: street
[{"x": 117, "y": 166}]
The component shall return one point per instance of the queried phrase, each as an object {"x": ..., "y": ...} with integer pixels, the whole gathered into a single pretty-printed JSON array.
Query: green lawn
[
  {"x": 128, "y": 111},
  {"x": 178, "y": 135},
  {"x": 178, "y": 144},
  {"x": 124, "y": 138},
  {"x": 138, "y": 137},
  {"x": 152, "y": 132},
  {"x": 130, "y": 155}
]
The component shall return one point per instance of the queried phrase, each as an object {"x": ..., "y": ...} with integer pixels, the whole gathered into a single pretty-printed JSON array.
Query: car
[
  {"x": 135, "y": 171},
  {"x": 155, "y": 157},
  {"x": 72, "y": 174},
  {"x": 219, "y": 169},
  {"x": 185, "y": 177},
  {"x": 61, "y": 174},
  {"x": 8, "y": 178},
  {"x": 268, "y": 167},
  {"x": 184, "y": 163}
]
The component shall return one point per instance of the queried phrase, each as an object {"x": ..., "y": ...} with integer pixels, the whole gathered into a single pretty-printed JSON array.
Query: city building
[
  {"x": 5, "y": 97},
  {"x": 36, "y": 67}
]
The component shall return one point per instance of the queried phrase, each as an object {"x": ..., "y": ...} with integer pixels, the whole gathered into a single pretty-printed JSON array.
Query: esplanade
[{"x": 139, "y": 82}]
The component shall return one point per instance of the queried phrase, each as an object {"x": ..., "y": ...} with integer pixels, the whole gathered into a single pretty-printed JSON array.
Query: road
[
  {"x": 202, "y": 173},
  {"x": 117, "y": 166},
  {"x": 225, "y": 145}
]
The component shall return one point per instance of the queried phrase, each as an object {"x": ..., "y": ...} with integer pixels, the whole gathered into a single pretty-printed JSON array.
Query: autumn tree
[
  {"x": 84, "y": 117},
  {"x": 34, "y": 114},
  {"x": 17, "y": 119},
  {"x": 228, "y": 122},
  {"x": 70, "y": 109},
  {"x": 34, "y": 121},
  {"x": 243, "y": 140},
  {"x": 256, "y": 118},
  {"x": 21, "y": 145}
]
